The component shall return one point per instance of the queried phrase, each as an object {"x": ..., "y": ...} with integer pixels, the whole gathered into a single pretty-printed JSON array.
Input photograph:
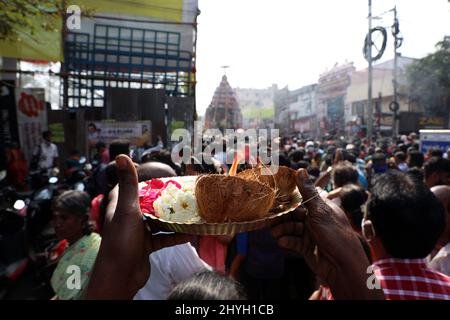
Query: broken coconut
[
  {"x": 283, "y": 182},
  {"x": 232, "y": 199}
]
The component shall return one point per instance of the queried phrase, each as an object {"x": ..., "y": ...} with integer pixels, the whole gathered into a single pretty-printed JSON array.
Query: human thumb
[{"x": 128, "y": 185}]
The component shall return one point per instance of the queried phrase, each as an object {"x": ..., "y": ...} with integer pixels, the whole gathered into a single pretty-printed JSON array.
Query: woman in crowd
[{"x": 71, "y": 219}]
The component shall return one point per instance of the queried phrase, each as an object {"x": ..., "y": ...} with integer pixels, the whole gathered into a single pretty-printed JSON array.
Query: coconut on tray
[{"x": 250, "y": 196}]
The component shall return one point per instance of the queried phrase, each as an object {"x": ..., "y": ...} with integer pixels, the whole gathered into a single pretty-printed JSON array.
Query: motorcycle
[
  {"x": 13, "y": 247},
  {"x": 79, "y": 177},
  {"x": 28, "y": 239}
]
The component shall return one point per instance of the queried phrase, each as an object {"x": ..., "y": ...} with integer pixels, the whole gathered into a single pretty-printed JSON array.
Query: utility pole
[
  {"x": 369, "y": 49},
  {"x": 397, "y": 43}
]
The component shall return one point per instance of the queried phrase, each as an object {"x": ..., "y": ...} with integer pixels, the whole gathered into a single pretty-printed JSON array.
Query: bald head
[
  {"x": 151, "y": 170},
  {"x": 443, "y": 194}
]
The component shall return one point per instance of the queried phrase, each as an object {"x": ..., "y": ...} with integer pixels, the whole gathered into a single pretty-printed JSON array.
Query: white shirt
[
  {"x": 170, "y": 266},
  {"x": 48, "y": 153},
  {"x": 441, "y": 261}
]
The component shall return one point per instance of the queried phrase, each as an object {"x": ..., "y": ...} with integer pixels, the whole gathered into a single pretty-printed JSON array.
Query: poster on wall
[
  {"x": 137, "y": 133},
  {"x": 31, "y": 118}
]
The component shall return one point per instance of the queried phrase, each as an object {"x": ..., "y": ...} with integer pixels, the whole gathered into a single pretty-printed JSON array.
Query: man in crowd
[
  {"x": 404, "y": 220},
  {"x": 400, "y": 160},
  {"x": 414, "y": 159},
  {"x": 46, "y": 153},
  {"x": 102, "y": 155},
  {"x": 437, "y": 172}
]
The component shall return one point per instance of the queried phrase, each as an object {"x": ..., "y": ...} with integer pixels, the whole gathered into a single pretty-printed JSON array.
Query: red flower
[
  {"x": 156, "y": 184},
  {"x": 173, "y": 182},
  {"x": 149, "y": 193}
]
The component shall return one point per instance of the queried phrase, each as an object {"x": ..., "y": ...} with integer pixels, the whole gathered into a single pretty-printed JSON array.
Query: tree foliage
[
  {"x": 429, "y": 80},
  {"x": 19, "y": 15}
]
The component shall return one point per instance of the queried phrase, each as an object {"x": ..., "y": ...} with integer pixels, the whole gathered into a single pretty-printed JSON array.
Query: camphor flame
[{"x": 237, "y": 158}]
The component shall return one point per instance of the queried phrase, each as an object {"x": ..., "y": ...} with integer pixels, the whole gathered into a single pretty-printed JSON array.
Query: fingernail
[{"x": 121, "y": 162}]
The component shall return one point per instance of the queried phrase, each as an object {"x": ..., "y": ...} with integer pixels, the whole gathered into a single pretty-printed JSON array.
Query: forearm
[
  {"x": 111, "y": 278},
  {"x": 352, "y": 284},
  {"x": 108, "y": 280},
  {"x": 352, "y": 280}
]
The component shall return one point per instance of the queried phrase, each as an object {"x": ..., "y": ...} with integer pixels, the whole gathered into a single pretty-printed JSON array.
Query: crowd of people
[{"x": 375, "y": 226}]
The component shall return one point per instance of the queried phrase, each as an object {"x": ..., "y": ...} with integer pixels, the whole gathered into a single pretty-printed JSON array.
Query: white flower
[{"x": 177, "y": 205}]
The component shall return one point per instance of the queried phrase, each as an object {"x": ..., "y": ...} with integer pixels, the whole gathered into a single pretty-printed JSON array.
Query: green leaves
[
  {"x": 429, "y": 81},
  {"x": 19, "y": 16}
]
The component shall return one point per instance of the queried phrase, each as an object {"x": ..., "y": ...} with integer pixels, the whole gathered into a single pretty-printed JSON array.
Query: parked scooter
[
  {"x": 13, "y": 240},
  {"x": 29, "y": 248},
  {"x": 80, "y": 179}
]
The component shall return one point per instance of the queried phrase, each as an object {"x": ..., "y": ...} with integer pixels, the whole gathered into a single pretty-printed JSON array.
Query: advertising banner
[
  {"x": 31, "y": 118},
  {"x": 137, "y": 133},
  {"x": 434, "y": 139}
]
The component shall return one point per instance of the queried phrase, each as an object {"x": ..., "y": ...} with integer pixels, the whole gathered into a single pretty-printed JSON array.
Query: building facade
[
  {"x": 303, "y": 112},
  {"x": 356, "y": 103},
  {"x": 257, "y": 106},
  {"x": 331, "y": 95}
]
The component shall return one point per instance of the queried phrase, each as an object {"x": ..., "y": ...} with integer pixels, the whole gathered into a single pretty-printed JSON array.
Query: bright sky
[{"x": 291, "y": 42}]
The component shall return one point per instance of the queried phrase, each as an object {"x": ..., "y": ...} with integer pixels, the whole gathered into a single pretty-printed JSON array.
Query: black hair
[
  {"x": 283, "y": 160},
  {"x": 344, "y": 173},
  {"x": 119, "y": 147},
  {"x": 301, "y": 165},
  {"x": 403, "y": 147},
  {"x": 415, "y": 172},
  {"x": 296, "y": 155},
  {"x": 162, "y": 156},
  {"x": 378, "y": 155},
  {"x": 400, "y": 156},
  {"x": 436, "y": 153},
  {"x": 313, "y": 171},
  {"x": 352, "y": 198},
  {"x": 416, "y": 159},
  {"x": 77, "y": 203},
  {"x": 200, "y": 166},
  {"x": 100, "y": 144},
  {"x": 46, "y": 134},
  {"x": 208, "y": 285},
  {"x": 350, "y": 156},
  {"x": 406, "y": 215},
  {"x": 436, "y": 164}
]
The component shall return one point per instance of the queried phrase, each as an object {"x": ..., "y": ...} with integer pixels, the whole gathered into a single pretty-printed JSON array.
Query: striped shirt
[{"x": 411, "y": 279}]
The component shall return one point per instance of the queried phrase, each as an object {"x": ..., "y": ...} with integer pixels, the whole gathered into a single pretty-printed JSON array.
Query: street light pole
[
  {"x": 395, "y": 31},
  {"x": 369, "y": 49}
]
